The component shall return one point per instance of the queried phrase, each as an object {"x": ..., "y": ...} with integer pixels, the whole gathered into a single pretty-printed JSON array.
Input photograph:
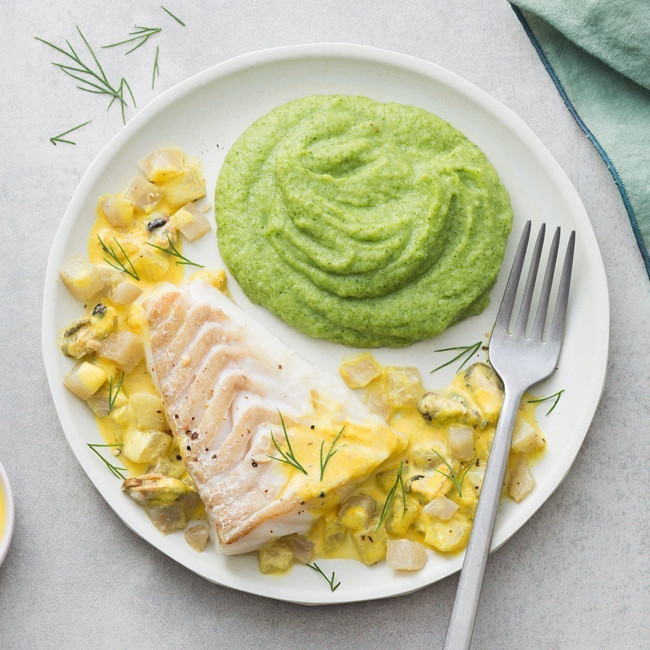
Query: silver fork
[{"x": 520, "y": 361}]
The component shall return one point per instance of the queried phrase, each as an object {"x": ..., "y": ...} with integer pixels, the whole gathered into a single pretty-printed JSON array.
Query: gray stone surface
[{"x": 576, "y": 576}]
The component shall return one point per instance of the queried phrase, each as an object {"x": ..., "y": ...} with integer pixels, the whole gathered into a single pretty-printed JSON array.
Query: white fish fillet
[{"x": 224, "y": 381}]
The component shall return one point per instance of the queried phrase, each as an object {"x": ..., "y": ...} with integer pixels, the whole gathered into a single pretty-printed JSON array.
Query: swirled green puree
[{"x": 365, "y": 223}]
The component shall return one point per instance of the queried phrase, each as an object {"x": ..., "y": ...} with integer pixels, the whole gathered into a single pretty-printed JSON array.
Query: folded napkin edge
[{"x": 592, "y": 138}]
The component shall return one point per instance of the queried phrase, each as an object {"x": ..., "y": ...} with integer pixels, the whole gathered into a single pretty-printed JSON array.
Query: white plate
[{"x": 204, "y": 116}]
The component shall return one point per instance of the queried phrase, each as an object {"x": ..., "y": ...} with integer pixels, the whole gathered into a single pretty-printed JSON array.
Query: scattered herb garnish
[
  {"x": 555, "y": 396},
  {"x": 141, "y": 34},
  {"x": 330, "y": 453},
  {"x": 119, "y": 265},
  {"x": 286, "y": 457},
  {"x": 175, "y": 253},
  {"x": 391, "y": 495},
  {"x": 453, "y": 475},
  {"x": 466, "y": 351},
  {"x": 156, "y": 68},
  {"x": 178, "y": 20},
  {"x": 92, "y": 81},
  {"x": 333, "y": 587},
  {"x": 113, "y": 396},
  {"x": 59, "y": 138},
  {"x": 114, "y": 469}
]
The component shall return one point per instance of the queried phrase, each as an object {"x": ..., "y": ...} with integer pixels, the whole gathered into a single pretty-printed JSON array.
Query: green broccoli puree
[{"x": 360, "y": 222}]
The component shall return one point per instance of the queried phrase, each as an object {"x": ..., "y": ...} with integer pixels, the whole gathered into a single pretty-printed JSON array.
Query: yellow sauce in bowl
[
  {"x": 2, "y": 513},
  {"x": 6, "y": 514}
]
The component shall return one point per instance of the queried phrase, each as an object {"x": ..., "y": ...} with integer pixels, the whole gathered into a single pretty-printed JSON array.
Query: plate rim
[{"x": 363, "y": 53}]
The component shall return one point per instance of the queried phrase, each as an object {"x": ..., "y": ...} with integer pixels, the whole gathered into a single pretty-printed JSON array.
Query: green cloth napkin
[{"x": 598, "y": 55}]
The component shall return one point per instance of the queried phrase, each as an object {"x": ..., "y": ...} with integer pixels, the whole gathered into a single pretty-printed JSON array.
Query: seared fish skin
[{"x": 226, "y": 384}]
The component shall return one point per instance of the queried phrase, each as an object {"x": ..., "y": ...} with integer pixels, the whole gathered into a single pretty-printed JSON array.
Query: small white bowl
[{"x": 7, "y": 529}]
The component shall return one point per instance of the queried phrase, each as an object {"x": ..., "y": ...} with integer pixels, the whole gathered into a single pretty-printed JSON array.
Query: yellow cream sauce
[
  {"x": 155, "y": 267},
  {"x": 420, "y": 434},
  {"x": 160, "y": 269}
]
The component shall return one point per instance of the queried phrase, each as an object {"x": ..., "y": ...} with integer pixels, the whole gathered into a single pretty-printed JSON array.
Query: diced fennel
[
  {"x": 403, "y": 386},
  {"x": 162, "y": 164},
  {"x": 124, "y": 349},
  {"x": 117, "y": 210},
  {"x": 519, "y": 480},
  {"x": 148, "y": 411},
  {"x": 84, "y": 380},
  {"x": 197, "y": 537},
  {"x": 144, "y": 196},
  {"x": 460, "y": 441},
  {"x": 359, "y": 370},
  {"x": 441, "y": 508},
  {"x": 191, "y": 222},
  {"x": 125, "y": 293},
  {"x": 405, "y": 555},
  {"x": 145, "y": 446},
  {"x": 81, "y": 278},
  {"x": 525, "y": 439},
  {"x": 370, "y": 544},
  {"x": 357, "y": 512},
  {"x": 183, "y": 189},
  {"x": 448, "y": 536}
]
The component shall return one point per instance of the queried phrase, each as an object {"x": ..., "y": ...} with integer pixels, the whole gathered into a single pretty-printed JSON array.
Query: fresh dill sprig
[
  {"x": 391, "y": 495},
  {"x": 286, "y": 457},
  {"x": 466, "y": 351},
  {"x": 156, "y": 68},
  {"x": 330, "y": 581},
  {"x": 330, "y": 453},
  {"x": 175, "y": 253},
  {"x": 140, "y": 34},
  {"x": 119, "y": 265},
  {"x": 546, "y": 399},
  {"x": 92, "y": 81},
  {"x": 59, "y": 138},
  {"x": 178, "y": 20},
  {"x": 453, "y": 476},
  {"x": 114, "y": 469},
  {"x": 113, "y": 396}
]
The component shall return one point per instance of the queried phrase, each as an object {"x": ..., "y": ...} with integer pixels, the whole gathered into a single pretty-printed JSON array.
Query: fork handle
[{"x": 461, "y": 623}]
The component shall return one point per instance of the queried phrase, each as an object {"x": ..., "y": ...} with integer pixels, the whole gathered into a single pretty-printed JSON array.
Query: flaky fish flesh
[{"x": 243, "y": 407}]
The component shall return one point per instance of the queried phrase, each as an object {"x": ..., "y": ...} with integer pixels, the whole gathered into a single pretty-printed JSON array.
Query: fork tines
[{"x": 505, "y": 311}]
